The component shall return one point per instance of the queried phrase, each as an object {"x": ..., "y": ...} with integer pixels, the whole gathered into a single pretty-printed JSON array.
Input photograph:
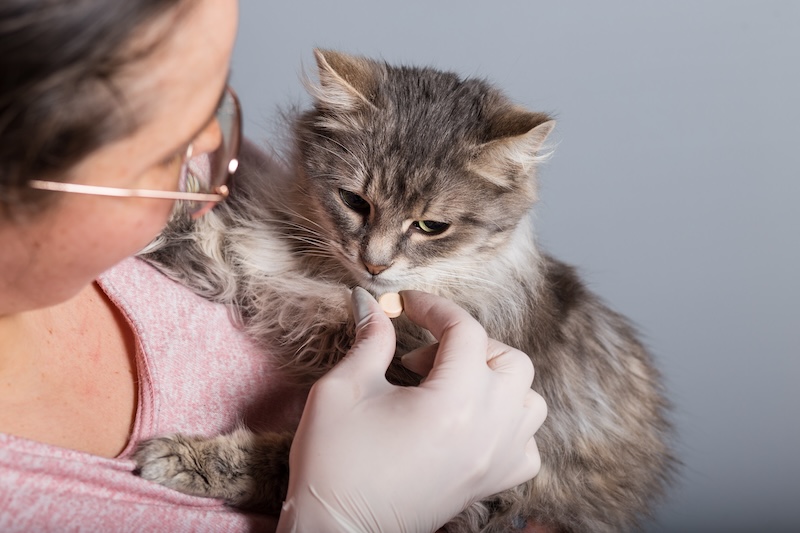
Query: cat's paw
[
  {"x": 178, "y": 462},
  {"x": 244, "y": 469}
]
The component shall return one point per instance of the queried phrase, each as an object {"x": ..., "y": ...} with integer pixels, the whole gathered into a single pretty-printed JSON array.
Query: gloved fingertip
[{"x": 361, "y": 302}]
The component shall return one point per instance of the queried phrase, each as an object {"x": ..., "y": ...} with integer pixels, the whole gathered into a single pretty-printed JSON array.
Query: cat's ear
[
  {"x": 347, "y": 83},
  {"x": 515, "y": 151}
]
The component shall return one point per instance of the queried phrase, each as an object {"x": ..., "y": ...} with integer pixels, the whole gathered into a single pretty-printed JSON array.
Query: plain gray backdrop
[{"x": 674, "y": 189}]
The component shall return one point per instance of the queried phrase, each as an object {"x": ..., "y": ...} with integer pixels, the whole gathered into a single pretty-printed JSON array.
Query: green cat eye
[
  {"x": 354, "y": 202},
  {"x": 431, "y": 227}
]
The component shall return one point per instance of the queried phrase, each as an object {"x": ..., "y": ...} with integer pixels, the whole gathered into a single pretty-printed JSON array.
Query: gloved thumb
[{"x": 374, "y": 346}]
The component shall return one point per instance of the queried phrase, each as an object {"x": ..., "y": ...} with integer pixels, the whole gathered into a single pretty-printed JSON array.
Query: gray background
[{"x": 674, "y": 188}]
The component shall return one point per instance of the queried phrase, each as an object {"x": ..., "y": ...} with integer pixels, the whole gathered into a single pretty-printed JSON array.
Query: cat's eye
[
  {"x": 431, "y": 227},
  {"x": 354, "y": 202}
]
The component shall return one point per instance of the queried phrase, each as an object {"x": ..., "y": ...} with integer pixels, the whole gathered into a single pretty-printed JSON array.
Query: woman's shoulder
[
  {"x": 198, "y": 371},
  {"x": 154, "y": 301}
]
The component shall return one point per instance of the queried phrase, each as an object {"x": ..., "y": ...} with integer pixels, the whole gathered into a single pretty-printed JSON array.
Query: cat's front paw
[
  {"x": 245, "y": 469},
  {"x": 176, "y": 462}
]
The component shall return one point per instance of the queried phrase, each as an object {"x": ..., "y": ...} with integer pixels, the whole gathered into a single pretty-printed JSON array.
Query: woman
[{"x": 103, "y": 105}]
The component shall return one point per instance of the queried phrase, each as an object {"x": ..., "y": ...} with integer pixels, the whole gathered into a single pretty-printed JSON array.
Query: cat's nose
[{"x": 375, "y": 269}]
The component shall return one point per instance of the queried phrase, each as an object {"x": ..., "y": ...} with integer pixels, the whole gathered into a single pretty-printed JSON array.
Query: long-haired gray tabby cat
[{"x": 412, "y": 178}]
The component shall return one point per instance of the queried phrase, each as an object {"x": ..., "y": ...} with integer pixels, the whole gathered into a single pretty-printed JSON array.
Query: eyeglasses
[{"x": 203, "y": 177}]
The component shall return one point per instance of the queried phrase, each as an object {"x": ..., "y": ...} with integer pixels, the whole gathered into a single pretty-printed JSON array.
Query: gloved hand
[{"x": 371, "y": 456}]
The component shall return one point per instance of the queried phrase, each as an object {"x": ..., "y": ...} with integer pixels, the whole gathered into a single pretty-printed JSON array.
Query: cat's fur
[{"x": 418, "y": 144}]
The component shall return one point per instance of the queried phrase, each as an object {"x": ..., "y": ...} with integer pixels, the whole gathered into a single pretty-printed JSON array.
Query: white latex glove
[{"x": 371, "y": 456}]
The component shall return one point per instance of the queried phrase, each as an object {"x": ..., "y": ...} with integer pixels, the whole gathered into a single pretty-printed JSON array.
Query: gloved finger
[
  {"x": 534, "y": 415},
  {"x": 529, "y": 461},
  {"x": 461, "y": 338},
  {"x": 527, "y": 465},
  {"x": 420, "y": 360},
  {"x": 511, "y": 362},
  {"x": 534, "y": 460},
  {"x": 536, "y": 409},
  {"x": 374, "y": 346},
  {"x": 531, "y": 417}
]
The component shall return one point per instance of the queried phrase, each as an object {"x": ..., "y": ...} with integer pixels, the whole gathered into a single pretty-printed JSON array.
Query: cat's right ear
[{"x": 346, "y": 83}]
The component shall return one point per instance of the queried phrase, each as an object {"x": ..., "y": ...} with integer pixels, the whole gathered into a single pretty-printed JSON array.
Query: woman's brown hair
[{"x": 58, "y": 100}]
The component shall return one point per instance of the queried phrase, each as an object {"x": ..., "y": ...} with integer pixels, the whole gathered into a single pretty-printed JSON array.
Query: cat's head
[{"x": 414, "y": 173}]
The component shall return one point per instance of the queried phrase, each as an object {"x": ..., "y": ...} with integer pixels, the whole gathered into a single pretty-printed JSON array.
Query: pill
[{"x": 392, "y": 304}]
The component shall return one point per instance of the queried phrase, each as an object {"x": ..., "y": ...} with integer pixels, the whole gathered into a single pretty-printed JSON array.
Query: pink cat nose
[{"x": 375, "y": 269}]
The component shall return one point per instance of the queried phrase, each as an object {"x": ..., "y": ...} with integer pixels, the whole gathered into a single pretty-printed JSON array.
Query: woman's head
[
  {"x": 59, "y": 96},
  {"x": 103, "y": 93}
]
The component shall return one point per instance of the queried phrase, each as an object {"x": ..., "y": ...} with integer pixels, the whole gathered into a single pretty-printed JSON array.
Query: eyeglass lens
[{"x": 207, "y": 171}]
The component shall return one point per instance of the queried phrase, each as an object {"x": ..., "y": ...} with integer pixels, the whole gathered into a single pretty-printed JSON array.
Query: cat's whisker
[
  {"x": 306, "y": 235},
  {"x": 292, "y": 226},
  {"x": 303, "y": 218},
  {"x": 314, "y": 244},
  {"x": 317, "y": 249},
  {"x": 274, "y": 220},
  {"x": 457, "y": 275}
]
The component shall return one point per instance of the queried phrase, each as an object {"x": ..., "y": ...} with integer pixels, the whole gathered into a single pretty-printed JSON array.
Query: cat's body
[{"x": 416, "y": 179}]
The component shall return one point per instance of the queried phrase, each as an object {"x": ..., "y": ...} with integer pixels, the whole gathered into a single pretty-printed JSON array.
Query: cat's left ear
[
  {"x": 516, "y": 152},
  {"x": 347, "y": 82}
]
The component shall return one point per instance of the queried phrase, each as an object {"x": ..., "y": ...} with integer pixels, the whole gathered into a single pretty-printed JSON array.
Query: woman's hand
[{"x": 371, "y": 456}]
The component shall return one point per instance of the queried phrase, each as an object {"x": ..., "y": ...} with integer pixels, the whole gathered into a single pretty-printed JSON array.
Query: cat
[{"x": 414, "y": 178}]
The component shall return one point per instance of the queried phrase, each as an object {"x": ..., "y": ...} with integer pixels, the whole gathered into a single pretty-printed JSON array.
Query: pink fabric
[{"x": 197, "y": 375}]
